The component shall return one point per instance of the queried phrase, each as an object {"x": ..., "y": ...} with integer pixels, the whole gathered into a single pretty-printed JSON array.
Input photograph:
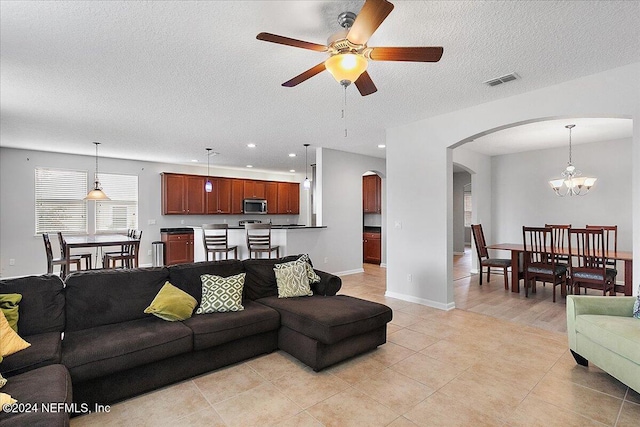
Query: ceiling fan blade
[
  {"x": 368, "y": 20},
  {"x": 273, "y": 38},
  {"x": 365, "y": 84},
  {"x": 413, "y": 54},
  {"x": 304, "y": 76}
]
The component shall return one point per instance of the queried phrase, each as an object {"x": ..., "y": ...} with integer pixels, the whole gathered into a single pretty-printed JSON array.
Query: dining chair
[
  {"x": 483, "y": 256},
  {"x": 540, "y": 262},
  {"x": 589, "y": 264},
  {"x": 63, "y": 252},
  {"x": 51, "y": 261},
  {"x": 610, "y": 240},
  {"x": 127, "y": 256},
  {"x": 560, "y": 241},
  {"x": 215, "y": 238},
  {"x": 259, "y": 239}
]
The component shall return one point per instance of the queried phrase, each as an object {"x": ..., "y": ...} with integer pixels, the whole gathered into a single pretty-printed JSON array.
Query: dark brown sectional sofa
[{"x": 91, "y": 335}]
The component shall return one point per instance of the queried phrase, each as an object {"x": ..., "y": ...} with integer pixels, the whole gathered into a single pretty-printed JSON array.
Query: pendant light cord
[{"x": 344, "y": 109}]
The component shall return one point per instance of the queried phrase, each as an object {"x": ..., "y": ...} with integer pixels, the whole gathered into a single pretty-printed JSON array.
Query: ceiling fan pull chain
[{"x": 344, "y": 110}]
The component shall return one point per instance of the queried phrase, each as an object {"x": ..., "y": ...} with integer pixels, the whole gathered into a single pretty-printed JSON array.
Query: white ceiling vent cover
[{"x": 502, "y": 79}]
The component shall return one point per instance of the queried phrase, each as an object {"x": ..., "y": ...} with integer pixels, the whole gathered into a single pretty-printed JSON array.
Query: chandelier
[{"x": 572, "y": 182}]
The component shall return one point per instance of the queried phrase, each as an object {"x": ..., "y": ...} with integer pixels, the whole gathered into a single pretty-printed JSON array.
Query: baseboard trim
[
  {"x": 458, "y": 253},
  {"x": 422, "y": 301},
  {"x": 383, "y": 265},
  {"x": 348, "y": 272},
  {"x": 473, "y": 271}
]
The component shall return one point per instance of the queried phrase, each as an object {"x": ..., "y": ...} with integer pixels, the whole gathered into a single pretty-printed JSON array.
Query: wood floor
[{"x": 492, "y": 299}]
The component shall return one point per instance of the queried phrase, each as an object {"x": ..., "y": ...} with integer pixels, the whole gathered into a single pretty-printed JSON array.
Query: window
[
  {"x": 60, "y": 204},
  {"x": 121, "y": 212},
  {"x": 467, "y": 208}
]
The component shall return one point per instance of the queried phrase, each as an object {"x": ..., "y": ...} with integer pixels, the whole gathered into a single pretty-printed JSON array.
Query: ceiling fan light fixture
[{"x": 346, "y": 66}]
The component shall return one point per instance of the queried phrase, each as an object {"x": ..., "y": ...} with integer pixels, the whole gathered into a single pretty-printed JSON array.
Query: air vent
[{"x": 501, "y": 79}]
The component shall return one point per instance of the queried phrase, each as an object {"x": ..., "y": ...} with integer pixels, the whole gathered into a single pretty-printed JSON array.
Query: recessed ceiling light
[
  {"x": 292, "y": 170},
  {"x": 194, "y": 161},
  {"x": 249, "y": 166},
  {"x": 381, "y": 146},
  {"x": 292, "y": 154},
  {"x": 251, "y": 145}
]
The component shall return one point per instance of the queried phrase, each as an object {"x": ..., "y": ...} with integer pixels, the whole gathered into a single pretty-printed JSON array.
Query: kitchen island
[{"x": 292, "y": 239}]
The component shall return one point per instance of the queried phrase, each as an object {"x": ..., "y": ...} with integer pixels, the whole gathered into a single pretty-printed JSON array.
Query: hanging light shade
[
  {"x": 307, "y": 183},
  {"x": 208, "y": 186},
  {"x": 572, "y": 182},
  {"x": 96, "y": 193},
  {"x": 346, "y": 66}
]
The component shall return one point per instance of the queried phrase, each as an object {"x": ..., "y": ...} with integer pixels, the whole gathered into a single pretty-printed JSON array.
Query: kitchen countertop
[{"x": 276, "y": 227}]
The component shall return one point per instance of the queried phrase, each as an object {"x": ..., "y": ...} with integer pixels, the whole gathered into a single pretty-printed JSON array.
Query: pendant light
[
  {"x": 96, "y": 193},
  {"x": 572, "y": 182},
  {"x": 208, "y": 186},
  {"x": 307, "y": 183}
]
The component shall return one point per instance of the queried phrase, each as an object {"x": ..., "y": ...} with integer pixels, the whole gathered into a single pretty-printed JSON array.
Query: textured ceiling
[{"x": 162, "y": 80}]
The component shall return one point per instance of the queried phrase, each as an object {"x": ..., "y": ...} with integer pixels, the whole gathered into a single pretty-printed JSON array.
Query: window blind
[
  {"x": 121, "y": 212},
  {"x": 60, "y": 204}
]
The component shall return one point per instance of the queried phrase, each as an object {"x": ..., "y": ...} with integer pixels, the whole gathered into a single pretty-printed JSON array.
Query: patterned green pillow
[
  {"x": 2, "y": 381},
  {"x": 313, "y": 277},
  {"x": 636, "y": 306},
  {"x": 221, "y": 294},
  {"x": 292, "y": 280}
]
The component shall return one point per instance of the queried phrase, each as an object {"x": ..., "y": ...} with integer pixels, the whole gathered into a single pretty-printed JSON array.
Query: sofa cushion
[
  {"x": 99, "y": 351},
  {"x": 45, "y": 349},
  {"x": 261, "y": 279},
  {"x": 47, "y": 385},
  {"x": 42, "y": 305},
  {"x": 329, "y": 319},
  {"x": 187, "y": 276},
  {"x": 104, "y": 297},
  {"x": 213, "y": 329},
  {"x": 619, "y": 334}
]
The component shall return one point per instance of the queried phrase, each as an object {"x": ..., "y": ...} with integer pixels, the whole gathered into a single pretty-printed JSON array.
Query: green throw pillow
[
  {"x": 172, "y": 304},
  {"x": 292, "y": 280},
  {"x": 313, "y": 277},
  {"x": 9, "y": 306},
  {"x": 221, "y": 294}
]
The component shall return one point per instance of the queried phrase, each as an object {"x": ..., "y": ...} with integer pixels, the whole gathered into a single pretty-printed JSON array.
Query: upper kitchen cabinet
[
  {"x": 237, "y": 196},
  {"x": 288, "y": 198},
  {"x": 219, "y": 200},
  {"x": 371, "y": 194},
  {"x": 254, "y": 189},
  {"x": 271, "y": 194},
  {"x": 183, "y": 194}
]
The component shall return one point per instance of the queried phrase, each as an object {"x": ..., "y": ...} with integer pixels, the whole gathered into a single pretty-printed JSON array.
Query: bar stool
[
  {"x": 259, "y": 239},
  {"x": 217, "y": 241}
]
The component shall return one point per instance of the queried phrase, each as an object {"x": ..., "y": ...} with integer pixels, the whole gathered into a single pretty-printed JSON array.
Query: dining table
[
  {"x": 516, "y": 273},
  {"x": 100, "y": 241}
]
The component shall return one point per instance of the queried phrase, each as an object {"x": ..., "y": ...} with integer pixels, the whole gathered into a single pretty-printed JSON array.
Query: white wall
[
  {"x": 419, "y": 184},
  {"x": 340, "y": 207},
  {"x": 17, "y": 202}
]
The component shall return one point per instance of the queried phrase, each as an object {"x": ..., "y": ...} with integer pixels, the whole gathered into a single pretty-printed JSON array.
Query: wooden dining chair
[
  {"x": 63, "y": 252},
  {"x": 610, "y": 240},
  {"x": 62, "y": 262},
  {"x": 215, "y": 238},
  {"x": 483, "y": 256},
  {"x": 259, "y": 240},
  {"x": 127, "y": 256},
  {"x": 589, "y": 263},
  {"x": 560, "y": 241},
  {"x": 540, "y": 262}
]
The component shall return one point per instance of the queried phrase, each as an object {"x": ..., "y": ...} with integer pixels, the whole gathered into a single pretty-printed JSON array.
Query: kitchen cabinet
[
  {"x": 254, "y": 189},
  {"x": 271, "y": 195},
  {"x": 371, "y": 194},
  {"x": 288, "y": 198},
  {"x": 237, "y": 196},
  {"x": 219, "y": 200},
  {"x": 178, "y": 248},
  {"x": 372, "y": 248},
  {"x": 183, "y": 194}
]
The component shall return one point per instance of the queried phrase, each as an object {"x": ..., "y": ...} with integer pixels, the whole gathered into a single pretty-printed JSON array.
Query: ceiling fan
[{"x": 349, "y": 54}]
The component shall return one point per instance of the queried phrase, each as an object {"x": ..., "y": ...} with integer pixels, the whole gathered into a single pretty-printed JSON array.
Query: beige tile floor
[{"x": 456, "y": 368}]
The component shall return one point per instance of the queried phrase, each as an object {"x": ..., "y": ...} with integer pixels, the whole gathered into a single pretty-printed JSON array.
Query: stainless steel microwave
[{"x": 255, "y": 206}]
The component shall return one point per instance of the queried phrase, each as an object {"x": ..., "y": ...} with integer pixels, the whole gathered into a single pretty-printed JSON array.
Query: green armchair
[{"x": 602, "y": 330}]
